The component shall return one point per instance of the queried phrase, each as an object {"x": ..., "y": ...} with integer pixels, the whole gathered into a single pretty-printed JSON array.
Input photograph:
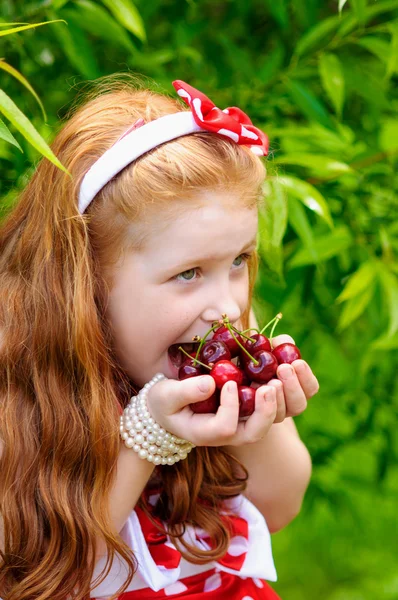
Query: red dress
[{"x": 163, "y": 573}]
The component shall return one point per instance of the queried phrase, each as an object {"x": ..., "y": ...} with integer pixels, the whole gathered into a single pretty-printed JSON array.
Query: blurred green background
[{"x": 319, "y": 77}]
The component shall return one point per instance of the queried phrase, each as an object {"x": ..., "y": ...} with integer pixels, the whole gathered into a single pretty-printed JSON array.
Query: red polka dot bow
[{"x": 231, "y": 122}]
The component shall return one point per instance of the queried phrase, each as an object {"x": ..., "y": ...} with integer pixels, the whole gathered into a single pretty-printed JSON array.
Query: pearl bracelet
[{"x": 140, "y": 432}]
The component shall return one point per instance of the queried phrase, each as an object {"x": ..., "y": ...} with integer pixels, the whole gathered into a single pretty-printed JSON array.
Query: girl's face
[{"x": 190, "y": 272}]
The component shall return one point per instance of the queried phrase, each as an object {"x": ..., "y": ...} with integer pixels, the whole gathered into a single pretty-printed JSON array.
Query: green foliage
[{"x": 320, "y": 79}]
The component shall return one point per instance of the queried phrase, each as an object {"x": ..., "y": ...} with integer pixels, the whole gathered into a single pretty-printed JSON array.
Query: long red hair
[{"x": 61, "y": 386}]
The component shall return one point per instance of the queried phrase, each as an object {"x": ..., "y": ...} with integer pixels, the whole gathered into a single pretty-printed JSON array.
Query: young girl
[{"x": 146, "y": 242}]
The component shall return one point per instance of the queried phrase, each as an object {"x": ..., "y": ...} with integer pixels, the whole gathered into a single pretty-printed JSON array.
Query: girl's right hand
[{"x": 169, "y": 400}]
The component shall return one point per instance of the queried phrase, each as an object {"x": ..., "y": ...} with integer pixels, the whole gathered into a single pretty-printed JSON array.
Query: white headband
[
  {"x": 130, "y": 147},
  {"x": 204, "y": 116}
]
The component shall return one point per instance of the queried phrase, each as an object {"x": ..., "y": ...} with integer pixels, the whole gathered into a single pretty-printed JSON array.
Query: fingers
[
  {"x": 307, "y": 379},
  {"x": 280, "y": 400},
  {"x": 282, "y": 339},
  {"x": 296, "y": 401},
  {"x": 174, "y": 395},
  {"x": 258, "y": 424}
]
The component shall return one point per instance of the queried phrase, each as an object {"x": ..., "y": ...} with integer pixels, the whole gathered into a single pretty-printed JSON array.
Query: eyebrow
[{"x": 211, "y": 258}]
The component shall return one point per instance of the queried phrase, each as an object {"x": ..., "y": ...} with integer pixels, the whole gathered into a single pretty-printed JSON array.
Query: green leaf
[
  {"x": 354, "y": 307},
  {"x": 390, "y": 285},
  {"x": 341, "y": 5},
  {"x": 12, "y": 24},
  {"x": 308, "y": 195},
  {"x": 317, "y": 34},
  {"x": 97, "y": 21},
  {"x": 351, "y": 22},
  {"x": 392, "y": 64},
  {"x": 332, "y": 78},
  {"x": 301, "y": 225},
  {"x": 77, "y": 49},
  {"x": 128, "y": 16},
  {"x": 388, "y": 137},
  {"x": 316, "y": 162},
  {"x": 359, "y": 7},
  {"x": 324, "y": 248},
  {"x": 22, "y": 28},
  {"x": 24, "y": 126},
  {"x": 376, "y": 46},
  {"x": 5, "y": 134},
  {"x": 6, "y": 67},
  {"x": 360, "y": 280},
  {"x": 309, "y": 104},
  {"x": 272, "y": 227},
  {"x": 386, "y": 342}
]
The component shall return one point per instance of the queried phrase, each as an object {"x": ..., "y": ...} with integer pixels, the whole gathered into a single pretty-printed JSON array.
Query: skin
[
  {"x": 150, "y": 309},
  {"x": 156, "y": 301}
]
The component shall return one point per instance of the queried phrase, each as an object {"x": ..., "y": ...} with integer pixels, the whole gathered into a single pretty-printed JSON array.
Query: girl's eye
[{"x": 189, "y": 275}]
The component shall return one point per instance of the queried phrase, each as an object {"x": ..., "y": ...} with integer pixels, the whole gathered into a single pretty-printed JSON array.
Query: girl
[{"x": 146, "y": 242}]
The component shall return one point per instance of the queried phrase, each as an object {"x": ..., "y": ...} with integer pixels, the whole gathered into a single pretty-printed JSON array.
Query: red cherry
[
  {"x": 224, "y": 334},
  {"x": 210, "y": 405},
  {"x": 188, "y": 369},
  {"x": 265, "y": 370},
  {"x": 247, "y": 397},
  {"x": 213, "y": 351},
  {"x": 261, "y": 343},
  {"x": 225, "y": 370},
  {"x": 286, "y": 353}
]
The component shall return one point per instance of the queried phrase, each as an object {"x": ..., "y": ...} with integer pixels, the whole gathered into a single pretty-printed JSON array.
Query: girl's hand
[
  {"x": 296, "y": 383},
  {"x": 168, "y": 403}
]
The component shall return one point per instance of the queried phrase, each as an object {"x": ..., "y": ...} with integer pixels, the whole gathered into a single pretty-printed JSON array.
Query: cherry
[
  {"x": 214, "y": 351},
  {"x": 247, "y": 397},
  {"x": 225, "y": 370},
  {"x": 264, "y": 371},
  {"x": 286, "y": 353},
  {"x": 261, "y": 343},
  {"x": 189, "y": 369},
  {"x": 223, "y": 334},
  {"x": 210, "y": 405}
]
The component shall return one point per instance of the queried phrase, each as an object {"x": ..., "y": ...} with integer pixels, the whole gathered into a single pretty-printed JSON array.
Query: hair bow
[{"x": 231, "y": 122}]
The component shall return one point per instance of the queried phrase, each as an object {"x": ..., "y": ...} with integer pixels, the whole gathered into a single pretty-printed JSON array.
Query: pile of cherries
[{"x": 257, "y": 361}]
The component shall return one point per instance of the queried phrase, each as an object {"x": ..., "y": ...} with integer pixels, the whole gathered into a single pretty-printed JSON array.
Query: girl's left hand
[{"x": 296, "y": 383}]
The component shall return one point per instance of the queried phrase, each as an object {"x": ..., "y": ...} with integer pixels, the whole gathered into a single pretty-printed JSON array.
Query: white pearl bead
[
  {"x": 151, "y": 421},
  {"x": 125, "y": 435},
  {"x": 153, "y": 449},
  {"x": 167, "y": 436},
  {"x": 157, "y": 459},
  {"x": 173, "y": 439},
  {"x": 136, "y": 448},
  {"x": 121, "y": 428},
  {"x": 139, "y": 438},
  {"x": 139, "y": 426},
  {"x": 164, "y": 460},
  {"x": 150, "y": 457},
  {"x": 129, "y": 442},
  {"x": 144, "y": 431},
  {"x": 162, "y": 431},
  {"x": 128, "y": 424},
  {"x": 151, "y": 438},
  {"x": 143, "y": 454},
  {"x": 145, "y": 445},
  {"x": 170, "y": 460},
  {"x": 156, "y": 427}
]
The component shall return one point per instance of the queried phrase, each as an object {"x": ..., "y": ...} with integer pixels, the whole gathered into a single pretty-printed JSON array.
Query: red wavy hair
[{"x": 61, "y": 386}]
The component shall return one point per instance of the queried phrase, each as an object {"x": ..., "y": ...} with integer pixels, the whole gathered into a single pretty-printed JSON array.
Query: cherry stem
[
  {"x": 277, "y": 318},
  {"x": 241, "y": 333},
  {"x": 202, "y": 341},
  {"x": 229, "y": 327},
  {"x": 194, "y": 359},
  {"x": 250, "y": 329}
]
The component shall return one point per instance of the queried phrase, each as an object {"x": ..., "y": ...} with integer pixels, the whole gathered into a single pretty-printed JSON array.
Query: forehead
[{"x": 213, "y": 222}]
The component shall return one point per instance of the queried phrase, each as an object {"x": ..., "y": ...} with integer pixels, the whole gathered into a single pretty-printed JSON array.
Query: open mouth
[{"x": 176, "y": 356}]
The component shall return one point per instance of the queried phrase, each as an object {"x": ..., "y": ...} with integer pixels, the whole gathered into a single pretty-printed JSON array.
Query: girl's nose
[{"x": 224, "y": 304}]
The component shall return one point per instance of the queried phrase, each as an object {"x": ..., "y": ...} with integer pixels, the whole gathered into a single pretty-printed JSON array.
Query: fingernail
[
  {"x": 285, "y": 371},
  {"x": 204, "y": 384},
  {"x": 231, "y": 386}
]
